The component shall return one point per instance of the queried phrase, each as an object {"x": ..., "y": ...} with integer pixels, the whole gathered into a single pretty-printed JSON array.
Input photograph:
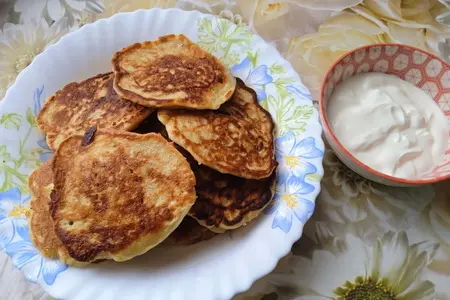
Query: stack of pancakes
[{"x": 169, "y": 146}]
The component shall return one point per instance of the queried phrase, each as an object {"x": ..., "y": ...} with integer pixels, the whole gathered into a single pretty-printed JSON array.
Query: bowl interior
[{"x": 418, "y": 67}]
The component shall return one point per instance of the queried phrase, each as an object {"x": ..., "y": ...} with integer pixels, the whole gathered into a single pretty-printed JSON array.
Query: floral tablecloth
[{"x": 365, "y": 240}]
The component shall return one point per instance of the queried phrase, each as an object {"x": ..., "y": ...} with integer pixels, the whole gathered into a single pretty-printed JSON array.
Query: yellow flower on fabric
[
  {"x": 235, "y": 18},
  {"x": 113, "y": 7},
  {"x": 313, "y": 54},
  {"x": 336, "y": 5},
  {"x": 267, "y": 10},
  {"x": 19, "y": 44},
  {"x": 387, "y": 10},
  {"x": 411, "y": 22}
]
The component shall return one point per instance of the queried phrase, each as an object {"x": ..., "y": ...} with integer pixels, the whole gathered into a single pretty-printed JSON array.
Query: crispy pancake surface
[
  {"x": 91, "y": 102},
  {"x": 41, "y": 224},
  {"x": 172, "y": 72},
  {"x": 40, "y": 178},
  {"x": 118, "y": 194},
  {"x": 237, "y": 139},
  {"x": 223, "y": 201},
  {"x": 228, "y": 202},
  {"x": 42, "y": 228}
]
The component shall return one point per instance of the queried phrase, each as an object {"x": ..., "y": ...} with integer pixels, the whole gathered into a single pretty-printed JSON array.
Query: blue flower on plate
[
  {"x": 255, "y": 78},
  {"x": 15, "y": 240},
  {"x": 28, "y": 259},
  {"x": 288, "y": 201},
  {"x": 300, "y": 91},
  {"x": 38, "y": 100},
  {"x": 12, "y": 216},
  {"x": 47, "y": 153},
  {"x": 292, "y": 156}
]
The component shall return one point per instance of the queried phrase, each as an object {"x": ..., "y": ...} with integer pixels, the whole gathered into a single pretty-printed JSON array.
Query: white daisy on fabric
[
  {"x": 55, "y": 10},
  {"x": 370, "y": 209},
  {"x": 351, "y": 270},
  {"x": 19, "y": 45},
  {"x": 435, "y": 226}
]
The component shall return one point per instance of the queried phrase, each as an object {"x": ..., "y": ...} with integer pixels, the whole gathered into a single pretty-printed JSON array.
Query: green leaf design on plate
[
  {"x": 9, "y": 171},
  {"x": 11, "y": 120},
  {"x": 221, "y": 38},
  {"x": 313, "y": 177},
  {"x": 264, "y": 104},
  {"x": 31, "y": 118},
  {"x": 277, "y": 69},
  {"x": 253, "y": 57},
  {"x": 11, "y": 166},
  {"x": 5, "y": 156},
  {"x": 286, "y": 116},
  {"x": 303, "y": 112}
]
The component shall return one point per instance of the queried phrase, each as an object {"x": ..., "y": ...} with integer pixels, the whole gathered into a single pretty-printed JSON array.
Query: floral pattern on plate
[
  {"x": 279, "y": 90},
  {"x": 14, "y": 207}
]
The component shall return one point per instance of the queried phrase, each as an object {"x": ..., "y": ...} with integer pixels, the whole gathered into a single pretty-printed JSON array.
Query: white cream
[{"x": 388, "y": 124}]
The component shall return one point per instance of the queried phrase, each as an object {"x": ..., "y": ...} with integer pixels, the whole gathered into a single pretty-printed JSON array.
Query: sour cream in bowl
[{"x": 385, "y": 111}]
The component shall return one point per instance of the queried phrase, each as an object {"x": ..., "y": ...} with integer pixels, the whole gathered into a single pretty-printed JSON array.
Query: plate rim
[{"x": 276, "y": 253}]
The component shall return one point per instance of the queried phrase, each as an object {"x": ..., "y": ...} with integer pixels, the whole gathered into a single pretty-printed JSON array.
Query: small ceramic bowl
[{"x": 423, "y": 69}]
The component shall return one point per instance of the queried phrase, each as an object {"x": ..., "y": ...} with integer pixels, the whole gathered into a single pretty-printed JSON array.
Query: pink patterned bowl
[{"x": 423, "y": 69}]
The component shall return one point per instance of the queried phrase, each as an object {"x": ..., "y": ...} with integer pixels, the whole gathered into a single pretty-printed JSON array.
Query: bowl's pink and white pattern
[{"x": 418, "y": 67}]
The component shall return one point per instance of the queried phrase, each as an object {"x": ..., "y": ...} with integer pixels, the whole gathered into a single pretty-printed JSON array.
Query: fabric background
[{"x": 363, "y": 237}]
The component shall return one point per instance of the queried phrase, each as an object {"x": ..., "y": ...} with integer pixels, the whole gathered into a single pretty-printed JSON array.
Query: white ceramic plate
[{"x": 215, "y": 269}]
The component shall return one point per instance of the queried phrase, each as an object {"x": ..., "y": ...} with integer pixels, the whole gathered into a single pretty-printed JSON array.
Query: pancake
[
  {"x": 118, "y": 194},
  {"x": 91, "y": 102},
  {"x": 40, "y": 178},
  {"x": 171, "y": 72},
  {"x": 42, "y": 229},
  {"x": 228, "y": 202},
  {"x": 189, "y": 232},
  {"x": 237, "y": 139},
  {"x": 223, "y": 201},
  {"x": 41, "y": 224}
]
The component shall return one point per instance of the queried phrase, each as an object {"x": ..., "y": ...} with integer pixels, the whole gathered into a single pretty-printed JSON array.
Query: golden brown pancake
[
  {"x": 223, "y": 201},
  {"x": 40, "y": 178},
  {"x": 172, "y": 72},
  {"x": 189, "y": 232},
  {"x": 41, "y": 224},
  {"x": 42, "y": 229},
  {"x": 91, "y": 102},
  {"x": 118, "y": 194},
  {"x": 228, "y": 202},
  {"x": 237, "y": 139}
]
